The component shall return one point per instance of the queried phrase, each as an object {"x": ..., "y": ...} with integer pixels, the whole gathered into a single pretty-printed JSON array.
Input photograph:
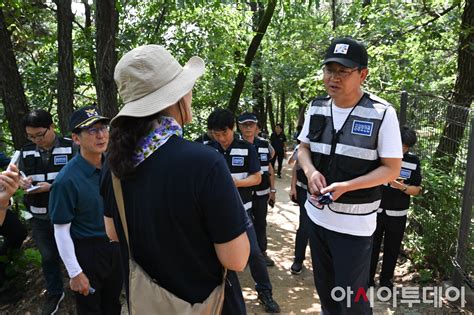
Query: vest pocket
[{"x": 316, "y": 127}]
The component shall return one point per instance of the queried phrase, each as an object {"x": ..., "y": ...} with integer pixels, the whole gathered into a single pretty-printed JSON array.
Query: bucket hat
[{"x": 149, "y": 79}]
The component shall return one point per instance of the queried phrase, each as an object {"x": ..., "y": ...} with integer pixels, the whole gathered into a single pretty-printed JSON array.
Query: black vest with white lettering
[
  {"x": 33, "y": 166},
  {"x": 237, "y": 158},
  {"x": 393, "y": 198},
  {"x": 350, "y": 152},
  {"x": 262, "y": 147}
]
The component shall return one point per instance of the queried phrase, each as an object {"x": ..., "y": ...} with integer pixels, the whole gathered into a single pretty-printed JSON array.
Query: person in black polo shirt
[
  {"x": 278, "y": 140},
  {"x": 77, "y": 212},
  {"x": 263, "y": 193},
  {"x": 244, "y": 167},
  {"x": 392, "y": 215}
]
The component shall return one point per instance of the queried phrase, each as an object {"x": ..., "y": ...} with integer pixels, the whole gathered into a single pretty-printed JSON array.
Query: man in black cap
[
  {"x": 77, "y": 212},
  {"x": 349, "y": 148},
  {"x": 263, "y": 193}
]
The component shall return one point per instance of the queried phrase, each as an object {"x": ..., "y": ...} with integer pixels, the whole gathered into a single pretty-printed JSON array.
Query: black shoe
[
  {"x": 296, "y": 268},
  {"x": 51, "y": 304},
  {"x": 265, "y": 297},
  {"x": 279, "y": 175},
  {"x": 268, "y": 261}
]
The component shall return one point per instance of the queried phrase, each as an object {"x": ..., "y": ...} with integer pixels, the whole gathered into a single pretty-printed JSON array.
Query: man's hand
[
  {"x": 337, "y": 189},
  {"x": 293, "y": 194},
  {"x": 45, "y": 187},
  {"x": 272, "y": 197},
  {"x": 80, "y": 284},
  {"x": 397, "y": 184},
  {"x": 9, "y": 181},
  {"x": 26, "y": 183},
  {"x": 316, "y": 183}
]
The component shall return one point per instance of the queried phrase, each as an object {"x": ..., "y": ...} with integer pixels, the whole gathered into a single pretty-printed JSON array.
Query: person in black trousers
[
  {"x": 392, "y": 215},
  {"x": 277, "y": 140}
]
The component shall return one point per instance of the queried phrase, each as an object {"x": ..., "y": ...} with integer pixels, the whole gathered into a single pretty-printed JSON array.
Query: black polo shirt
[{"x": 180, "y": 202}]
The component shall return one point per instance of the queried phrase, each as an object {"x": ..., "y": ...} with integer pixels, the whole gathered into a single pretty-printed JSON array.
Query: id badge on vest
[
  {"x": 237, "y": 161},
  {"x": 60, "y": 159},
  {"x": 362, "y": 128}
]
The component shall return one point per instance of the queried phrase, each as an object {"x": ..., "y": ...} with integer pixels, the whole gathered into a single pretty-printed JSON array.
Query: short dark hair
[
  {"x": 37, "y": 118},
  {"x": 409, "y": 137},
  {"x": 220, "y": 119},
  {"x": 279, "y": 125}
]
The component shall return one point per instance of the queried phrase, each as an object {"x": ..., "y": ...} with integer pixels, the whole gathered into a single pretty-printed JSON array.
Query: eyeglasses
[
  {"x": 339, "y": 73},
  {"x": 248, "y": 124},
  {"x": 95, "y": 131},
  {"x": 38, "y": 136}
]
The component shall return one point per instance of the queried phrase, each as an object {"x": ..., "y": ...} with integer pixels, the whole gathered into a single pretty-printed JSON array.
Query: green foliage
[{"x": 434, "y": 221}]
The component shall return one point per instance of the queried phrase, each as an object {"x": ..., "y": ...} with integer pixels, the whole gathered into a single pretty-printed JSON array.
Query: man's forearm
[
  {"x": 66, "y": 249},
  {"x": 304, "y": 160},
  {"x": 381, "y": 175},
  {"x": 251, "y": 180}
]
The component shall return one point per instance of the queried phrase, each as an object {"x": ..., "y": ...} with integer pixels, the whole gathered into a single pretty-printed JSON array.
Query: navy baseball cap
[
  {"x": 347, "y": 52},
  {"x": 85, "y": 117},
  {"x": 247, "y": 117}
]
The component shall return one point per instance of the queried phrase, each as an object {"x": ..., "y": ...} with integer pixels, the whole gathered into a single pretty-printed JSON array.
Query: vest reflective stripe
[
  {"x": 38, "y": 177},
  {"x": 52, "y": 176},
  {"x": 300, "y": 184},
  {"x": 263, "y": 150},
  {"x": 317, "y": 110},
  {"x": 264, "y": 168},
  {"x": 356, "y": 152},
  {"x": 376, "y": 113},
  {"x": 243, "y": 152},
  {"x": 38, "y": 210},
  {"x": 248, "y": 205},
  {"x": 348, "y": 208},
  {"x": 410, "y": 166},
  {"x": 319, "y": 147},
  {"x": 27, "y": 153},
  {"x": 63, "y": 150},
  {"x": 394, "y": 213},
  {"x": 263, "y": 192},
  {"x": 239, "y": 176}
]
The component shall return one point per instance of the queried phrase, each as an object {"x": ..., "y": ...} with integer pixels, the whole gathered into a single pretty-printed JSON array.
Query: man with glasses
[
  {"x": 350, "y": 145},
  {"x": 40, "y": 161},
  {"x": 77, "y": 212}
]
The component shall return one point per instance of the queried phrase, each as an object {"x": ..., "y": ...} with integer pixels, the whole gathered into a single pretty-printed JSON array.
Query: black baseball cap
[
  {"x": 347, "y": 52},
  {"x": 85, "y": 117},
  {"x": 246, "y": 117}
]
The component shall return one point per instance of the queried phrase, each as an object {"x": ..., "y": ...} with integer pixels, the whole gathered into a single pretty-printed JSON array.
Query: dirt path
[{"x": 296, "y": 294}]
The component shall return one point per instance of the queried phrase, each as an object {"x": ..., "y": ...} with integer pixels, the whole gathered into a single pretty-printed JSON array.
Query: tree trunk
[
  {"x": 283, "y": 109},
  {"x": 257, "y": 91},
  {"x": 334, "y": 14},
  {"x": 12, "y": 93},
  {"x": 252, "y": 50},
  {"x": 90, "y": 41},
  {"x": 457, "y": 114},
  {"x": 269, "y": 104},
  {"x": 65, "y": 64},
  {"x": 106, "y": 18}
]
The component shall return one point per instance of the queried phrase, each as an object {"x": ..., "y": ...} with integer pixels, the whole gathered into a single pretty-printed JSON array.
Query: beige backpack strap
[{"x": 121, "y": 207}]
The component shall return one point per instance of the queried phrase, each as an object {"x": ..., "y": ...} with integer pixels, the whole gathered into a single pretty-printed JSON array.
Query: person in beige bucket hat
[{"x": 183, "y": 212}]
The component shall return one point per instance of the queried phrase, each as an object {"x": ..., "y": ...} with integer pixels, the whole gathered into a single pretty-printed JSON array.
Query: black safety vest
[
  {"x": 394, "y": 201},
  {"x": 350, "y": 152},
  {"x": 262, "y": 147},
  {"x": 301, "y": 180},
  {"x": 237, "y": 159},
  {"x": 33, "y": 166}
]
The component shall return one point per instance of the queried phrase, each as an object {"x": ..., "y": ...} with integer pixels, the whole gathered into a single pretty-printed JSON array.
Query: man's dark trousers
[
  {"x": 43, "y": 235},
  {"x": 391, "y": 230},
  {"x": 259, "y": 218},
  {"x": 302, "y": 235},
  {"x": 258, "y": 268},
  {"x": 100, "y": 261},
  {"x": 340, "y": 260}
]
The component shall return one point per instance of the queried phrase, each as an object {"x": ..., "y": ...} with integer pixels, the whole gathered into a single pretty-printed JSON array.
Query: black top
[
  {"x": 394, "y": 198},
  {"x": 278, "y": 141},
  {"x": 179, "y": 202}
]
